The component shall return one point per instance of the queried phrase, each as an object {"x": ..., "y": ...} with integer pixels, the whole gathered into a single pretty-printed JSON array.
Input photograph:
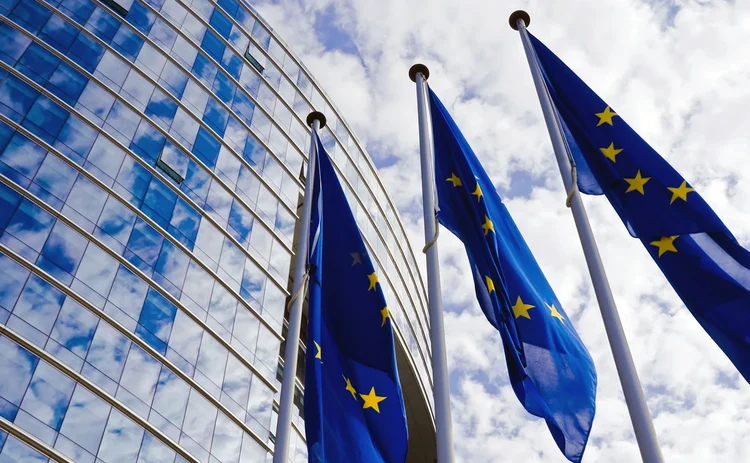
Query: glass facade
[{"x": 151, "y": 159}]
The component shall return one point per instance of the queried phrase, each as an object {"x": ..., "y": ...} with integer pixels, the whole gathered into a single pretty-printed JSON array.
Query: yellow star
[
  {"x": 317, "y": 356},
  {"x": 636, "y": 183},
  {"x": 373, "y": 280},
  {"x": 665, "y": 244},
  {"x": 478, "y": 193},
  {"x": 490, "y": 284},
  {"x": 350, "y": 388},
  {"x": 356, "y": 258},
  {"x": 454, "y": 180},
  {"x": 680, "y": 192},
  {"x": 372, "y": 400},
  {"x": 610, "y": 152},
  {"x": 385, "y": 314},
  {"x": 487, "y": 225},
  {"x": 555, "y": 313},
  {"x": 521, "y": 309},
  {"x": 606, "y": 116}
]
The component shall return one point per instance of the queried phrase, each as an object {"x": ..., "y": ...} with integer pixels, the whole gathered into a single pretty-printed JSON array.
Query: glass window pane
[
  {"x": 85, "y": 420},
  {"x": 48, "y": 395}
]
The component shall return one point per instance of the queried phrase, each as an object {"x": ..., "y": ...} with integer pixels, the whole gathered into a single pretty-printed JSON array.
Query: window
[
  {"x": 173, "y": 162},
  {"x": 256, "y": 64}
]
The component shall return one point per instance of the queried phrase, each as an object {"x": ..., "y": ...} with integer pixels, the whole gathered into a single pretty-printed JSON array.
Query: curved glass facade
[{"x": 150, "y": 176}]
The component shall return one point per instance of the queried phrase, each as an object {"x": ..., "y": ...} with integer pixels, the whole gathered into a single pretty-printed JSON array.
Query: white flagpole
[
  {"x": 631, "y": 385},
  {"x": 317, "y": 121},
  {"x": 441, "y": 390}
]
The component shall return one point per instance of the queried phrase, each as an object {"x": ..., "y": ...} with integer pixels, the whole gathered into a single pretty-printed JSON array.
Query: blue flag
[
  {"x": 550, "y": 370},
  {"x": 701, "y": 259},
  {"x": 354, "y": 409}
]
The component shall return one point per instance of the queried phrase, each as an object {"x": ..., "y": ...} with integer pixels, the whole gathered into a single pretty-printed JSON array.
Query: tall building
[{"x": 151, "y": 176}]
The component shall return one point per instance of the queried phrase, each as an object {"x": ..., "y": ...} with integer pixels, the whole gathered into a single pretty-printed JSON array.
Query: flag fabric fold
[
  {"x": 550, "y": 369},
  {"x": 701, "y": 259},
  {"x": 354, "y": 408}
]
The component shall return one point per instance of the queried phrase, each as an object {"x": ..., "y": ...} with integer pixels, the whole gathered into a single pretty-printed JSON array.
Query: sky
[{"x": 675, "y": 70}]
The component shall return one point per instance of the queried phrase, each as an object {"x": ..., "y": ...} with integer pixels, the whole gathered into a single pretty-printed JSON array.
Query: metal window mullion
[{"x": 31, "y": 440}]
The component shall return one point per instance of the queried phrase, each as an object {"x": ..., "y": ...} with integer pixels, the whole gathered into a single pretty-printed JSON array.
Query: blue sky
[{"x": 675, "y": 70}]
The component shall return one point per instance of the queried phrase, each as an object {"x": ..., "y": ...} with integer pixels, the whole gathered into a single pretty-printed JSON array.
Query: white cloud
[{"x": 677, "y": 72}]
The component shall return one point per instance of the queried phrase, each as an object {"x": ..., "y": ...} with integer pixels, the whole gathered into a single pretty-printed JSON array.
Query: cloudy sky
[{"x": 675, "y": 70}]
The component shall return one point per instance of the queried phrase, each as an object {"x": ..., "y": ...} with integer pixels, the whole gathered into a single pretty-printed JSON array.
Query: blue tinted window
[
  {"x": 140, "y": 17},
  {"x": 12, "y": 279},
  {"x": 55, "y": 177},
  {"x": 76, "y": 139},
  {"x": 174, "y": 79},
  {"x": 261, "y": 35},
  {"x": 171, "y": 268},
  {"x": 184, "y": 223},
  {"x": 163, "y": 34},
  {"x": 230, "y": 6},
  {"x": 206, "y": 147},
  {"x": 97, "y": 100},
  {"x": 221, "y": 23},
  {"x": 48, "y": 395},
  {"x": 39, "y": 304},
  {"x": 149, "y": 141},
  {"x": 65, "y": 248},
  {"x": 116, "y": 220},
  {"x": 124, "y": 120},
  {"x": 86, "y": 408},
  {"x": 12, "y": 44},
  {"x": 104, "y": 160},
  {"x": 112, "y": 70},
  {"x": 204, "y": 69},
  {"x": 45, "y": 119},
  {"x": 38, "y": 63},
  {"x": 224, "y": 88},
  {"x": 162, "y": 108},
  {"x": 87, "y": 199},
  {"x": 86, "y": 52},
  {"x": 127, "y": 42},
  {"x": 173, "y": 162},
  {"x": 103, "y": 24},
  {"x": 75, "y": 327},
  {"x": 128, "y": 292},
  {"x": 134, "y": 177},
  {"x": 59, "y": 33},
  {"x": 16, "y": 98},
  {"x": 232, "y": 63},
  {"x": 108, "y": 351},
  {"x": 243, "y": 106},
  {"x": 240, "y": 223},
  {"x": 16, "y": 367},
  {"x": 159, "y": 202},
  {"x": 31, "y": 15},
  {"x": 6, "y": 6},
  {"x": 157, "y": 315},
  {"x": 213, "y": 46},
  {"x": 196, "y": 183},
  {"x": 23, "y": 156},
  {"x": 67, "y": 83},
  {"x": 80, "y": 10},
  {"x": 30, "y": 225},
  {"x": 9, "y": 200},
  {"x": 145, "y": 242},
  {"x": 216, "y": 116}
]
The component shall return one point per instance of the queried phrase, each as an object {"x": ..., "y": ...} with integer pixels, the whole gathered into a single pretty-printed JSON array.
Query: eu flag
[
  {"x": 550, "y": 370},
  {"x": 354, "y": 410},
  {"x": 701, "y": 259}
]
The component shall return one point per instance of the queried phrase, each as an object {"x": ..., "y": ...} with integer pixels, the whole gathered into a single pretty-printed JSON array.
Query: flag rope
[{"x": 434, "y": 238}]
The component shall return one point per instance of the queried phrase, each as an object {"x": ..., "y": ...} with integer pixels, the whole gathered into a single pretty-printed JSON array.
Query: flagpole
[
  {"x": 317, "y": 121},
  {"x": 631, "y": 385},
  {"x": 441, "y": 389}
]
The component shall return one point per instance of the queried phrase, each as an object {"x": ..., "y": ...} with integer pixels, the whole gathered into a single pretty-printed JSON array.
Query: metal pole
[
  {"x": 631, "y": 385},
  {"x": 286, "y": 402},
  {"x": 441, "y": 389}
]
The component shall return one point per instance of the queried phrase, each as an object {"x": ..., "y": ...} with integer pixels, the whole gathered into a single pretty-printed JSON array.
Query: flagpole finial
[
  {"x": 316, "y": 116},
  {"x": 419, "y": 67},
  {"x": 516, "y": 15}
]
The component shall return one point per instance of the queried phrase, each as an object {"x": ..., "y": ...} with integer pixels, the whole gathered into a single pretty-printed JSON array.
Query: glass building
[{"x": 151, "y": 177}]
